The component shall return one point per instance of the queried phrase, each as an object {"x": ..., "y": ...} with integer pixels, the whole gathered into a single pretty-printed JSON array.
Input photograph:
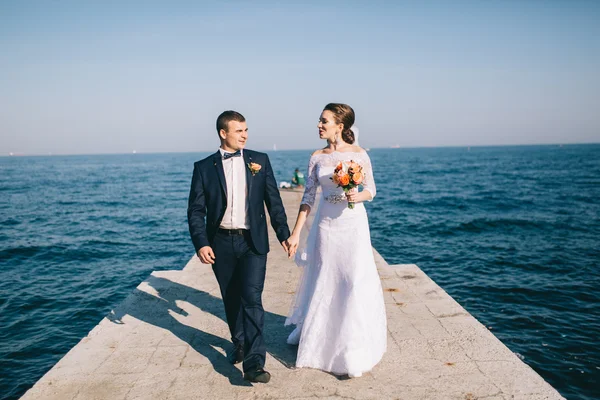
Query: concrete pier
[{"x": 168, "y": 340}]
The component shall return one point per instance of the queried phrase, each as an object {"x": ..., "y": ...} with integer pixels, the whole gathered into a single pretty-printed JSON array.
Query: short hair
[{"x": 226, "y": 117}]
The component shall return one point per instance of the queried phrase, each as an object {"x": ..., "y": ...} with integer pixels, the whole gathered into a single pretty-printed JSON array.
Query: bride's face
[{"x": 328, "y": 129}]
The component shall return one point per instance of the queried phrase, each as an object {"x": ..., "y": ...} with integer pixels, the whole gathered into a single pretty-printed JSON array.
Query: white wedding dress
[{"x": 339, "y": 311}]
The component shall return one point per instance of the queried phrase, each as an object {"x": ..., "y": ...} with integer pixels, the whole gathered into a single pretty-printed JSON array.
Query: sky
[{"x": 152, "y": 76}]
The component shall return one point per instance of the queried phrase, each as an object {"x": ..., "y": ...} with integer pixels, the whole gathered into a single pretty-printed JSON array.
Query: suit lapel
[
  {"x": 218, "y": 161},
  {"x": 249, "y": 180}
]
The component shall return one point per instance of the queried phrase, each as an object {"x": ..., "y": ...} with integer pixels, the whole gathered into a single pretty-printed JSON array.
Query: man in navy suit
[{"x": 226, "y": 217}]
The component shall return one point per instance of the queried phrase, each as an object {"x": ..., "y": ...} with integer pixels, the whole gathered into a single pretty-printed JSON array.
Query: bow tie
[{"x": 227, "y": 156}]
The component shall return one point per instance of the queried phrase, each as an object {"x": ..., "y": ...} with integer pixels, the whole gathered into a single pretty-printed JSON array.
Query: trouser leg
[
  {"x": 227, "y": 272},
  {"x": 252, "y": 271}
]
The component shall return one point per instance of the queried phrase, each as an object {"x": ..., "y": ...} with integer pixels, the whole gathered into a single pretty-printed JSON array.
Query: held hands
[
  {"x": 292, "y": 245},
  {"x": 285, "y": 246},
  {"x": 206, "y": 255}
]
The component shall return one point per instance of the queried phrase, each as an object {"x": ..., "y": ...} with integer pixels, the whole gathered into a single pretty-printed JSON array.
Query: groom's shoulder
[
  {"x": 204, "y": 161},
  {"x": 256, "y": 154}
]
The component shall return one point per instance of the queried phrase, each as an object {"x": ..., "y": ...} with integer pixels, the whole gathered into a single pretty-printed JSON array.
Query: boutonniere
[{"x": 254, "y": 168}]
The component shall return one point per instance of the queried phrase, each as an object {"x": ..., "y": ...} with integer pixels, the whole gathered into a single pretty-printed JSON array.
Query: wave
[
  {"x": 61, "y": 252},
  {"x": 26, "y": 251},
  {"x": 482, "y": 224},
  {"x": 10, "y": 222}
]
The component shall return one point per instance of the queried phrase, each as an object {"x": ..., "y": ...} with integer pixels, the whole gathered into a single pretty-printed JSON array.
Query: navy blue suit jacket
[{"x": 208, "y": 201}]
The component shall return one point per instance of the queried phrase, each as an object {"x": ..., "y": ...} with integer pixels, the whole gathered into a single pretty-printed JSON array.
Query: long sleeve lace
[
  {"x": 369, "y": 181},
  {"x": 312, "y": 184}
]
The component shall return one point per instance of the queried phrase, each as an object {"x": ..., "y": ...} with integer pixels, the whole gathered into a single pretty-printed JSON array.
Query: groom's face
[{"x": 234, "y": 138}]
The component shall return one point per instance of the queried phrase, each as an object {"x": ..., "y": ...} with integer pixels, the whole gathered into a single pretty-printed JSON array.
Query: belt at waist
[{"x": 232, "y": 232}]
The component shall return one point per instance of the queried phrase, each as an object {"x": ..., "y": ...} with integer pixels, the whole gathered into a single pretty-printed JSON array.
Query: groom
[{"x": 226, "y": 217}]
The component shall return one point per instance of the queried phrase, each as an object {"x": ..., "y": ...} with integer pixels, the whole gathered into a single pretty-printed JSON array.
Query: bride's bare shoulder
[
  {"x": 358, "y": 149},
  {"x": 349, "y": 149}
]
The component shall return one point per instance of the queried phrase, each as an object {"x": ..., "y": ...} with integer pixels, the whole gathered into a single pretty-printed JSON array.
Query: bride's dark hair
[{"x": 343, "y": 114}]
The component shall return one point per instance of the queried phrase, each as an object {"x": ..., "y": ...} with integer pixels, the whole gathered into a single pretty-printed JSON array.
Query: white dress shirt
[{"x": 236, "y": 214}]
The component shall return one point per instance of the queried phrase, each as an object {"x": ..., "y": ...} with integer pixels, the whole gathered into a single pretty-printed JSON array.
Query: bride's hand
[
  {"x": 353, "y": 196},
  {"x": 293, "y": 242}
]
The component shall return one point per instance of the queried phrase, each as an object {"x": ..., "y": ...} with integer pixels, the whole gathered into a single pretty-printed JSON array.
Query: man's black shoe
[
  {"x": 237, "y": 355},
  {"x": 258, "y": 375}
]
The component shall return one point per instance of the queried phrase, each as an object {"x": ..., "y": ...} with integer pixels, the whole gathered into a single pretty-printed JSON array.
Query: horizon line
[{"x": 134, "y": 152}]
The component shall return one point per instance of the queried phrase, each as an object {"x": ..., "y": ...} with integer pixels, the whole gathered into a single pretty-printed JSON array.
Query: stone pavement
[{"x": 168, "y": 340}]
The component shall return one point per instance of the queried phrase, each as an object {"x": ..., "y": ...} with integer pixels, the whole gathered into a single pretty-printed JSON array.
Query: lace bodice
[{"x": 320, "y": 170}]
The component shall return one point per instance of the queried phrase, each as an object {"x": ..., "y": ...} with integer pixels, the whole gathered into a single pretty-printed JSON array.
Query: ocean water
[{"x": 512, "y": 233}]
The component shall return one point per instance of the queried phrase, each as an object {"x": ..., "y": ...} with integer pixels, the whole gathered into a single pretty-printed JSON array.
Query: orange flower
[
  {"x": 357, "y": 178},
  {"x": 344, "y": 179},
  {"x": 254, "y": 168},
  {"x": 338, "y": 167},
  {"x": 354, "y": 167},
  {"x": 335, "y": 179}
]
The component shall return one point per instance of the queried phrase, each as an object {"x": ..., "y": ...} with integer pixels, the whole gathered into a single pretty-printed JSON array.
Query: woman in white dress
[{"x": 339, "y": 310}]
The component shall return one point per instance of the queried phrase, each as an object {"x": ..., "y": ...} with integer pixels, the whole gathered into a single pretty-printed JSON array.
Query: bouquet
[{"x": 348, "y": 176}]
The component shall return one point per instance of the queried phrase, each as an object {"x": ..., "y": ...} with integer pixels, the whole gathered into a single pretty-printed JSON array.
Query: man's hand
[
  {"x": 206, "y": 255},
  {"x": 286, "y": 246},
  {"x": 292, "y": 243}
]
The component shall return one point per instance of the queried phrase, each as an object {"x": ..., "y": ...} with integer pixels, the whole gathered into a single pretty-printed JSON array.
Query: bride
[{"x": 339, "y": 310}]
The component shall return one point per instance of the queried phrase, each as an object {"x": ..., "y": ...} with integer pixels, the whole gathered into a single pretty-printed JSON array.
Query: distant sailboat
[{"x": 274, "y": 147}]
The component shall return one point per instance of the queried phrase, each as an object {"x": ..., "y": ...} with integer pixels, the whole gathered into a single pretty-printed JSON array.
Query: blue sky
[{"x": 111, "y": 77}]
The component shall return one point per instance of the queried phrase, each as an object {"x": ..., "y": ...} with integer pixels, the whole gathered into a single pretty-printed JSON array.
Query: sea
[{"x": 511, "y": 232}]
